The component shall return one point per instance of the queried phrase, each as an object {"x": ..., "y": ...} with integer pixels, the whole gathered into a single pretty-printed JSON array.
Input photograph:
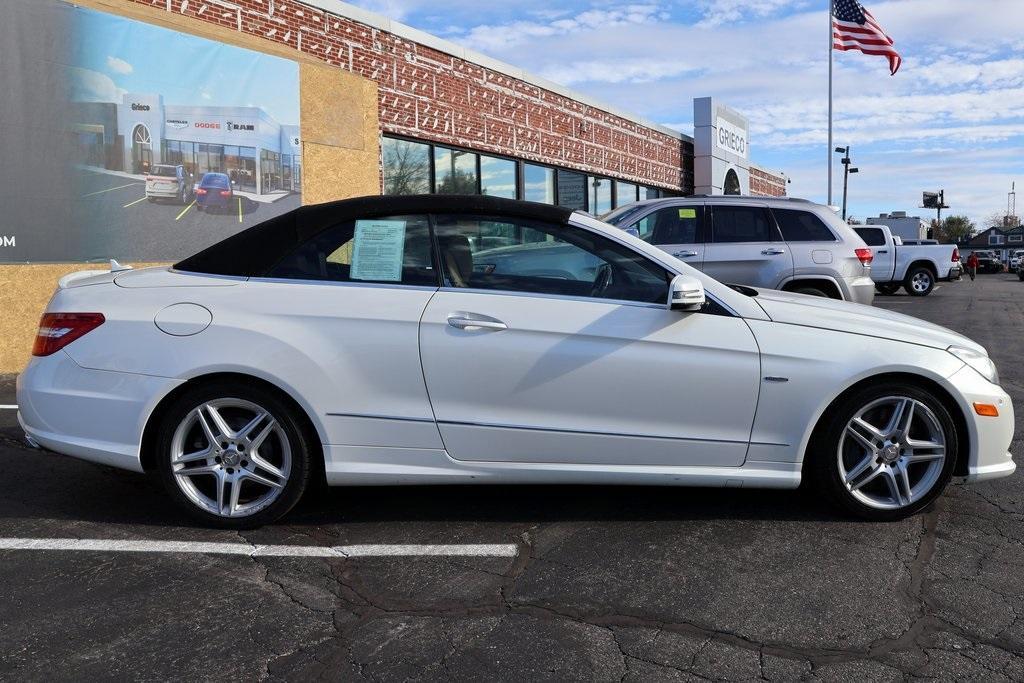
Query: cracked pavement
[{"x": 628, "y": 584}]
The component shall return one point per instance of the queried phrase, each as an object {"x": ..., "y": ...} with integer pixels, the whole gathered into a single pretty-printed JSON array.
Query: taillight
[
  {"x": 865, "y": 256},
  {"x": 225, "y": 193},
  {"x": 956, "y": 254},
  {"x": 200, "y": 191},
  {"x": 57, "y": 330}
]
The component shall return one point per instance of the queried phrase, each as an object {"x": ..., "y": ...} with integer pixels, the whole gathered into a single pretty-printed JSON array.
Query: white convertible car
[{"x": 439, "y": 340}]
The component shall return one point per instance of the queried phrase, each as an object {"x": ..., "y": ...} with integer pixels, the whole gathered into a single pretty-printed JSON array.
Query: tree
[
  {"x": 1001, "y": 219},
  {"x": 406, "y": 167},
  {"x": 954, "y": 229}
]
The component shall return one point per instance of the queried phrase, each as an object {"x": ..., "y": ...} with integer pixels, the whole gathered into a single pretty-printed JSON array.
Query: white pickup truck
[{"x": 916, "y": 268}]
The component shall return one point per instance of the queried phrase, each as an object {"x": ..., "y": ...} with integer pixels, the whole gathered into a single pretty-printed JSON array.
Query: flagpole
[{"x": 830, "y": 51}]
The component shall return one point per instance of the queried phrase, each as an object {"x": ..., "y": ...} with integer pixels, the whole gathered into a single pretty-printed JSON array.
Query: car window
[
  {"x": 741, "y": 224},
  {"x": 873, "y": 237},
  {"x": 164, "y": 171},
  {"x": 543, "y": 258},
  {"x": 802, "y": 226},
  {"x": 672, "y": 225},
  {"x": 394, "y": 249}
]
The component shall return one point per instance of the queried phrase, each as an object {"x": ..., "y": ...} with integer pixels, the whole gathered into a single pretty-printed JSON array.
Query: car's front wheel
[
  {"x": 885, "y": 453},
  {"x": 233, "y": 455},
  {"x": 919, "y": 282}
]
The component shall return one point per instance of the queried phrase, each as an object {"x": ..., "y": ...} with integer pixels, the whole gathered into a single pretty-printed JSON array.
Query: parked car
[
  {"x": 776, "y": 243},
  {"x": 988, "y": 262},
  {"x": 1015, "y": 259},
  {"x": 359, "y": 342},
  {"x": 165, "y": 181},
  {"x": 916, "y": 268},
  {"x": 215, "y": 190}
]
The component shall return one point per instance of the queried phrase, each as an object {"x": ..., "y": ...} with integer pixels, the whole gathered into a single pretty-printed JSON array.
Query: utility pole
[
  {"x": 1011, "y": 202},
  {"x": 847, "y": 170}
]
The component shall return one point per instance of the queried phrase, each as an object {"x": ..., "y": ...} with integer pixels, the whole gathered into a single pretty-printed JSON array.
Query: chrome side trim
[{"x": 382, "y": 417}]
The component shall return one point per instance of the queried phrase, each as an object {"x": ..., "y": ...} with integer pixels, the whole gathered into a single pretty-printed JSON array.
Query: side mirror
[
  {"x": 686, "y": 293},
  {"x": 633, "y": 230}
]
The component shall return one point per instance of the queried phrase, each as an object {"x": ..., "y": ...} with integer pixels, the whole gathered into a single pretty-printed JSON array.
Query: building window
[
  {"x": 454, "y": 171},
  {"x": 649, "y": 193},
  {"x": 625, "y": 193},
  {"x": 1014, "y": 238},
  {"x": 572, "y": 190},
  {"x": 600, "y": 195},
  {"x": 406, "y": 167},
  {"x": 995, "y": 239},
  {"x": 497, "y": 177},
  {"x": 270, "y": 171},
  {"x": 538, "y": 184}
]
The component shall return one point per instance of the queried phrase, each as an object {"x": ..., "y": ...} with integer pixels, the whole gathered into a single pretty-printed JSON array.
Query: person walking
[{"x": 972, "y": 265}]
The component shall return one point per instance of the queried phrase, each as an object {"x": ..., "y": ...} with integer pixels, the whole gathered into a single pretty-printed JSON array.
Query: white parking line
[
  {"x": 109, "y": 189},
  {"x": 257, "y": 549}
]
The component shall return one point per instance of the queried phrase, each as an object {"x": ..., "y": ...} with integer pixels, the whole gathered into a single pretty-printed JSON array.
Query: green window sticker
[
  {"x": 687, "y": 213},
  {"x": 378, "y": 251}
]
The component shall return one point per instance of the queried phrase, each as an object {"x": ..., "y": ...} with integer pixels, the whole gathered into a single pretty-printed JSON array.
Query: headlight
[{"x": 977, "y": 360}]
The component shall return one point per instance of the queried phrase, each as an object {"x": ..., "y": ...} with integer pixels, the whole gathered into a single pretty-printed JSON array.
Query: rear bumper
[
  {"x": 163, "y": 194},
  {"x": 95, "y": 415},
  {"x": 860, "y": 290}
]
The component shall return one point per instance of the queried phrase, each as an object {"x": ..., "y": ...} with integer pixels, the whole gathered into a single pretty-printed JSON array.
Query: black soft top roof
[{"x": 254, "y": 251}]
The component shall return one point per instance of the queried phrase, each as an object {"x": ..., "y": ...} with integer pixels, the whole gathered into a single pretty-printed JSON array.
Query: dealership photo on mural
[{"x": 171, "y": 142}]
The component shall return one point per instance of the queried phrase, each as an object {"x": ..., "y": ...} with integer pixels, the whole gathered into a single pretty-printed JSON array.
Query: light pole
[{"x": 847, "y": 170}]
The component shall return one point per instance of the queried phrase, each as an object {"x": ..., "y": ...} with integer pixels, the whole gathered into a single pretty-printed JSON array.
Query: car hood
[{"x": 843, "y": 316}]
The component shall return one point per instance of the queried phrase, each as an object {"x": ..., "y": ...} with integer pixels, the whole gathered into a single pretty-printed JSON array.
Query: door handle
[
  {"x": 684, "y": 254},
  {"x": 883, "y": 251},
  {"x": 467, "y": 321},
  {"x": 773, "y": 251}
]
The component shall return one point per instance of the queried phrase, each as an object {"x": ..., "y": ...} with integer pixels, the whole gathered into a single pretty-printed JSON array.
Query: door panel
[
  {"x": 884, "y": 263},
  {"x": 588, "y": 381},
  {"x": 745, "y": 247},
  {"x": 679, "y": 230}
]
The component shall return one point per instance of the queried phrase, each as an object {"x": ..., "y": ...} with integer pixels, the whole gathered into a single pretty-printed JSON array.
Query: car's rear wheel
[
  {"x": 919, "y": 282},
  {"x": 885, "y": 453},
  {"x": 888, "y": 288},
  {"x": 233, "y": 455}
]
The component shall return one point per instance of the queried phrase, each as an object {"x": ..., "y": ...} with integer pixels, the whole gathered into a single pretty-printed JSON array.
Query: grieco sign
[{"x": 731, "y": 138}]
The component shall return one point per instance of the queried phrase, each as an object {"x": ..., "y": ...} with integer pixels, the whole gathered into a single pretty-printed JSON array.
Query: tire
[
  {"x": 810, "y": 291},
  {"x": 888, "y": 288},
  {"x": 919, "y": 282},
  {"x": 836, "y": 453},
  {"x": 1020, "y": 275},
  {"x": 269, "y": 465}
]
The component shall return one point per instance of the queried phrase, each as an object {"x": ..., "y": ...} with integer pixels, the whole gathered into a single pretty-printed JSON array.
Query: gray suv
[{"x": 775, "y": 243}]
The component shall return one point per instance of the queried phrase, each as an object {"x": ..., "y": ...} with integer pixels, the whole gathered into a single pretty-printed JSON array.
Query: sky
[
  {"x": 951, "y": 119},
  {"x": 114, "y": 55}
]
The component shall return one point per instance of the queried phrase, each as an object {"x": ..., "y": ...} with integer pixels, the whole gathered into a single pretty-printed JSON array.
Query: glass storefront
[
  {"x": 239, "y": 163},
  {"x": 412, "y": 167},
  {"x": 270, "y": 171}
]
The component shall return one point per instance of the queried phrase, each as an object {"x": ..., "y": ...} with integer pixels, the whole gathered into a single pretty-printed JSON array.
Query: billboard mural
[{"x": 168, "y": 142}]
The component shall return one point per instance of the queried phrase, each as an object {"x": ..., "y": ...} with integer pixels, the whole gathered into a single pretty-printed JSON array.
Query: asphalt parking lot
[
  {"x": 599, "y": 584},
  {"x": 118, "y": 212}
]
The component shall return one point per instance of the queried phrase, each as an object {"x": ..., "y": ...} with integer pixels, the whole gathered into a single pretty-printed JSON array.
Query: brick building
[{"x": 455, "y": 120}]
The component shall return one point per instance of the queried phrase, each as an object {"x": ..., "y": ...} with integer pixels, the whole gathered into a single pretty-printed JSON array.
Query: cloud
[
  {"x": 498, "y": 37},
  {"x": 92, "y": 86},
  {"x": 119, "y": 66},
  {"x": 718, "y": 12}
]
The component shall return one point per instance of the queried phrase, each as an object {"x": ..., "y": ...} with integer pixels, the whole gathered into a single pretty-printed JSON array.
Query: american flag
[{"x": 853, "y": 28}]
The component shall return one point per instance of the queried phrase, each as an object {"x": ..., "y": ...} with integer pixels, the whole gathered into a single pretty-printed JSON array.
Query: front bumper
[
  {"x": 989, "y": 455},
  {"x": 95, "y": 415}
]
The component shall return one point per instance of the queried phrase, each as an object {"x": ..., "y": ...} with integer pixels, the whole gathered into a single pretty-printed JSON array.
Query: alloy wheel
[
  {"x": 892, "y": 452},
  {"x": 230, "y": 457},
  {"x": 921, "y": 281}
]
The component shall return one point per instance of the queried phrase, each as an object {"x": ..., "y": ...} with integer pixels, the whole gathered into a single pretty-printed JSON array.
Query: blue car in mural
[{"x": 214, "y": 191}]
